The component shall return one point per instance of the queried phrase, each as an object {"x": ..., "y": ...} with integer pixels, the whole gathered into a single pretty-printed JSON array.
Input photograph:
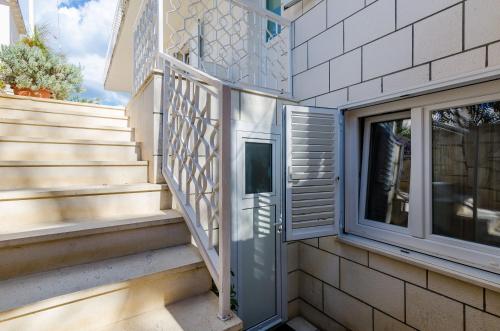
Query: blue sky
[{"x": 81, "y": 29}]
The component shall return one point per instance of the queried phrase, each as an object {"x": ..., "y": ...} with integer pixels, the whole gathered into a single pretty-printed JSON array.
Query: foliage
[
  {"x": 31, "y": 64},
  {"x": 38, "y": 38},
  {"x": 2, "y": 83},
  {"x": 77, "y": 98}
]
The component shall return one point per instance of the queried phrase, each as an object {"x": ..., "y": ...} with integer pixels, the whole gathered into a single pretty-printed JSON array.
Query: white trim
[
  {"x": 459, "y": 271},
  {"x": 364, "y": 172},
  {"x": 473, "y": 77},
  {"x": 469, "y": 253}
]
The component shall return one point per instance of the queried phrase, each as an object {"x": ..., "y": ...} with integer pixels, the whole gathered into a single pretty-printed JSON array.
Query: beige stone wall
[
  {"x": 341, "y": 287},
  {"x": 347, "y": 51},
  {"x": 145, "y": 117}
]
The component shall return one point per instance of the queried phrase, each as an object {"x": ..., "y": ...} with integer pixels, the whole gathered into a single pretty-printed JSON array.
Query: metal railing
[
  {"x": 196, "y": 152},
  {"x": 233, "y": 40}
]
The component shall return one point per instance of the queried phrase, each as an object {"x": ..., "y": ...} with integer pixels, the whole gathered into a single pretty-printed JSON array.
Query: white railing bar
[
  {"x": 262, "y": 12},
  {"x": 225, "y": 204},
  {"x": 199, "y": 75}
]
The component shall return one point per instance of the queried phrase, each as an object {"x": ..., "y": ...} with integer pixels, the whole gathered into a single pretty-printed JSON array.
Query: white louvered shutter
[{"x": 313, "y": 184}]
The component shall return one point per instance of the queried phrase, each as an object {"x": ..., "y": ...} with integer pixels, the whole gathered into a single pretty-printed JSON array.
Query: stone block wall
[
  {"x": 340, "y": 287},
  {"x": 348, "y": 51},
  {"x": 352, "y": 50}
]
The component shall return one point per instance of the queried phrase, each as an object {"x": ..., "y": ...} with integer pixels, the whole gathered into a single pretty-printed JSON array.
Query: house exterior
[
  {"x": 331, "y": 160},
  {"x": 15, "y": 20},
  {"x": 410, "y": 196}
]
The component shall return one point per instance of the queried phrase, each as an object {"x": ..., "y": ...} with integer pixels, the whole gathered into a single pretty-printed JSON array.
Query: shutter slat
[{"x": 312, "y": 155}]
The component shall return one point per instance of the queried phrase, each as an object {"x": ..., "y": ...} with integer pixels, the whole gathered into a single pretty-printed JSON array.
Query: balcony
[{"x": 233, "y": 40}]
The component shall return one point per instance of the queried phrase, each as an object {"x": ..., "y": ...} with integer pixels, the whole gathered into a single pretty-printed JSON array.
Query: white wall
[{"x": 5, "y": 24}]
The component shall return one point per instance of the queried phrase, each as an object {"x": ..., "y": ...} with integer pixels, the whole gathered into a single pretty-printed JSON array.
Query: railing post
[{"x": 225, "y": 204}]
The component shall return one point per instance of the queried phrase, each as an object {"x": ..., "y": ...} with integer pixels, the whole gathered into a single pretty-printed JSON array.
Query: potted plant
[{"x": 31, "y": 69}]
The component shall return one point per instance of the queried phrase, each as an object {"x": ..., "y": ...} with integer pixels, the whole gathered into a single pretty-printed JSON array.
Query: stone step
[
  {"x": 89, "y": 240},
  {"x": 41, "y": 129},
  {"x": 198, "y": 313},
  {"x": 48, "y": 149},
  {"x": 64, "y": 117},
  {"x": 28, "y": 210},
  {"x": 95, "y": 295},
  {"x": 45, "y": 174},
  {"x": 13, "y": 101}
]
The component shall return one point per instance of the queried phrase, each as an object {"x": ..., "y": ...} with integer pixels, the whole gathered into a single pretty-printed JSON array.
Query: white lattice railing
[
  {"x": 233, "y": 40},
  {"x": 196, "y": 152}
]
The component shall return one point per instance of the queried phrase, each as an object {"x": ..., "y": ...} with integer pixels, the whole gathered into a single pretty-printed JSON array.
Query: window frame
[
  {"x": 363, "y": 221},
  {"x": 420, "y": 237}
]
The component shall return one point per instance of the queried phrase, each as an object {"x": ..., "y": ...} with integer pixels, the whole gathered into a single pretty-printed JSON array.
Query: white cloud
[{"x": 81, "y": 33}]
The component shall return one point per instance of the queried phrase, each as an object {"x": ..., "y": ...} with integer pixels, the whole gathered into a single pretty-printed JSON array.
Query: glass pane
[
  {"x": 273, "y": 29},
  {"x": 388, "y": 188},
  {"x": 258, "y": 168},
  {"x": 466, "y": 173}
]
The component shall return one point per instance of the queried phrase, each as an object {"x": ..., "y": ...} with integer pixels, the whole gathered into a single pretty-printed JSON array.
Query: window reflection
[
  {"x": 466, "y": 173},
  {"x": 387, "y": 197},
  {"x": 258, "y": 168}
]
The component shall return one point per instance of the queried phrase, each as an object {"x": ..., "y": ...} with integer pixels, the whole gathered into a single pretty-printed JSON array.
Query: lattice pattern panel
[
  {"x": 146, "y": 42},
  {"x": 191, "y": 151},
  {"x": 229, "y": 40}
]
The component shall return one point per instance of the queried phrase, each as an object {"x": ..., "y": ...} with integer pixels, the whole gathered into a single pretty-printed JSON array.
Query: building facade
[
  {"x": 392, "y": 62},
  {"x": 16, "y": 20}
]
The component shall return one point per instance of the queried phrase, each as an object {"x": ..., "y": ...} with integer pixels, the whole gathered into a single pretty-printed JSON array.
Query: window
[
  {"x": 258, "y": 168},
  {"x": 466, "y": 173},
  {"x": 428, "y": 178},
  {"x": 388, "y": 170},
  {"x": 273, "y": 29}
]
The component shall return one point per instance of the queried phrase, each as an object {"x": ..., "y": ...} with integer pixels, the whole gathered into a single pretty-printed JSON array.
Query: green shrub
[{"x": 36, "y": 68}]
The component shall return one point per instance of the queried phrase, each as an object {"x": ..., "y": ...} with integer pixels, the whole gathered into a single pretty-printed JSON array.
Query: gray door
[{"x": 257, "y": 229}]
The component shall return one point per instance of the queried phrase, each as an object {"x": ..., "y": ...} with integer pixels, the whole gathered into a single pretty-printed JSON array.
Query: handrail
[
  {"x": 196, "y": 155},
  {"x": 192, "y": 71}
]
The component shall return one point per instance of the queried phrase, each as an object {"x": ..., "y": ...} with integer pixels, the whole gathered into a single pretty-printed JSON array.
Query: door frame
[{"x": 242, "y": 132}]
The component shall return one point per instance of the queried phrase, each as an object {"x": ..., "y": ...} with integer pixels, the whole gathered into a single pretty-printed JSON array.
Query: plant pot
[{"x": 27, "y": 92}]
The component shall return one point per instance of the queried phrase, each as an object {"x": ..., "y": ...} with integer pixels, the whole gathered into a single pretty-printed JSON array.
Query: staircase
[{"x": 86, "y": 243}]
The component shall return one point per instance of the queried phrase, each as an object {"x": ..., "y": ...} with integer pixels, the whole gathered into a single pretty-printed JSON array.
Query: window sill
[{"x": 459, "y": 271}]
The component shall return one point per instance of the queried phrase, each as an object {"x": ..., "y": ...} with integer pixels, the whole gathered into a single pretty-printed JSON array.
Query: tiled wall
[
  {"x": 339, "y": 287},
  {"x": 350, "y": 50}
]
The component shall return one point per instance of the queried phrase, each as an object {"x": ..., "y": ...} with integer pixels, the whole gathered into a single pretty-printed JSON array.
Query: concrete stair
[
  {"x": 46, "y": 174},
  {"x": 86, "y": 243},
  {"x": 38, "y": 129}
]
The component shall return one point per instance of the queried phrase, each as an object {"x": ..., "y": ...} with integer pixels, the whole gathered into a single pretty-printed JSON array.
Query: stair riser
[
  {"x": 96, "y": 308},
  {"x": 56, "y": 132},
  {"x": 49, "y": 255},
  {"x": 51, "y": 106},
  {"x": 45, "y": 177},
  {"x": 62, "y": 118},
  {"x": 29, "y": 214},
  {"x": 42, "y": 151}
]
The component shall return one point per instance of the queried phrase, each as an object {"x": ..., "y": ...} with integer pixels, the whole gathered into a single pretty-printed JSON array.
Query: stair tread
[
  {"x": 84, "y": 227},
  {"x": 45, "y": 108},
  {"x": 67, "y": 163},
  {"x": 66, "y": 141},
  {"x": 61, "y": 125},
  {"x": 198, "y": 313},
  {"x": 52, "y": 192},
  {"x": 37, "y": 287},
  {"x": 61, "y": 102}
]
